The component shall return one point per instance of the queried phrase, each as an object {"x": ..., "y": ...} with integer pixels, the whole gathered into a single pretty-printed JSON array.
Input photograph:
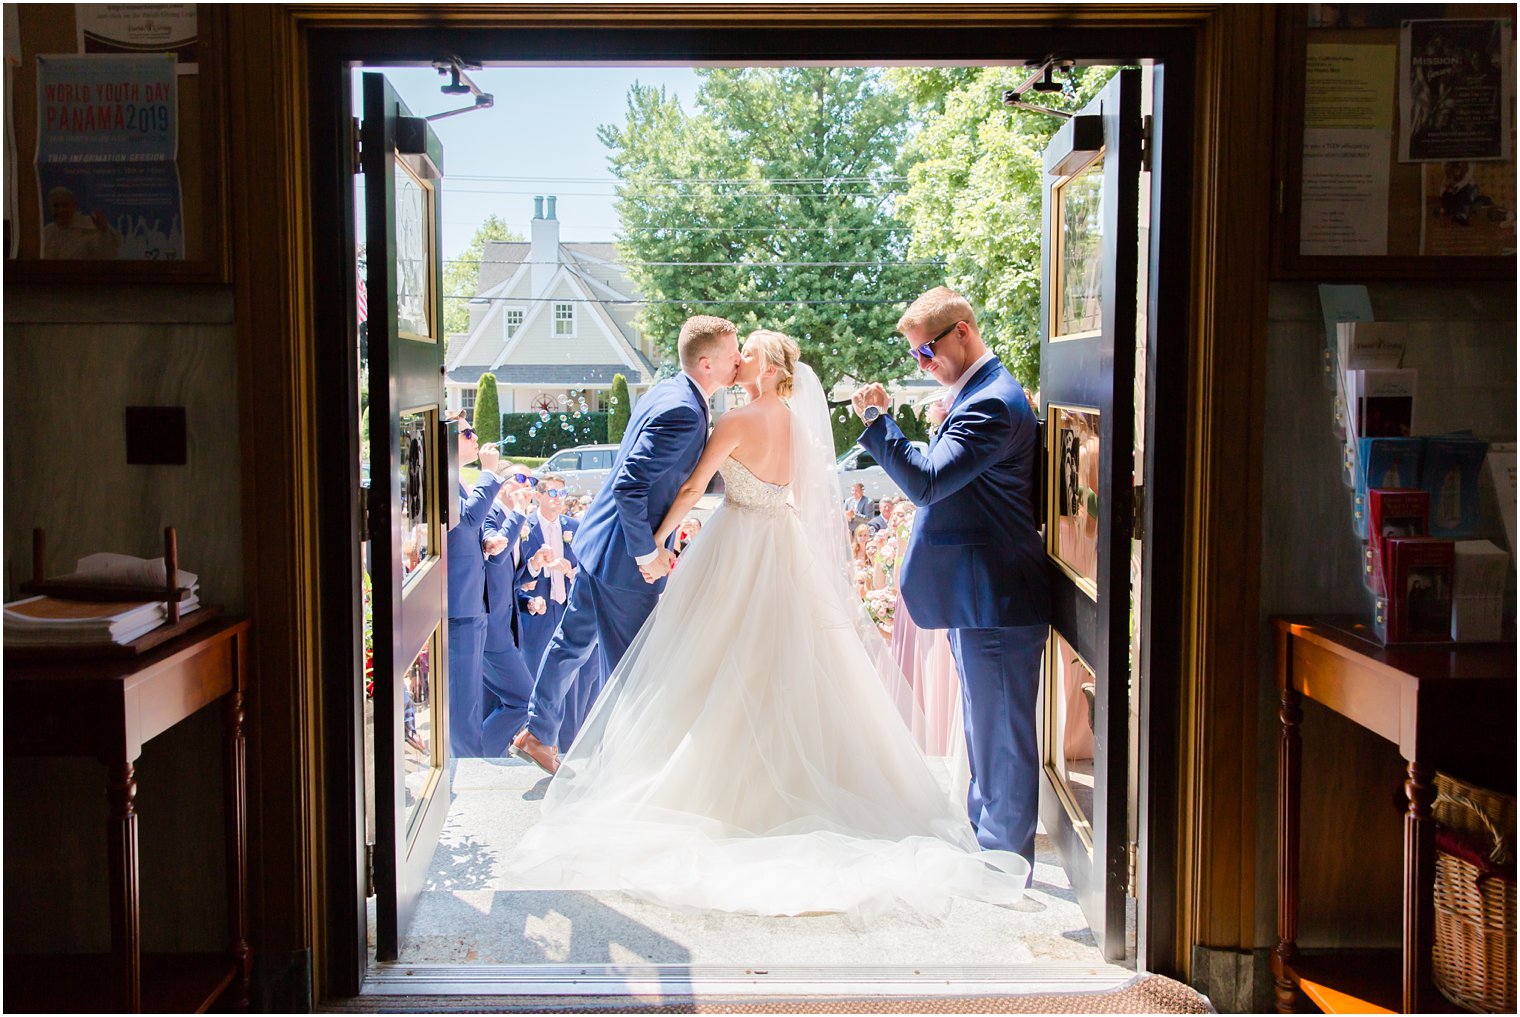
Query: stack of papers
[
  {"x": 47, "y": 621},
  {"x": 50, "y": 621}
]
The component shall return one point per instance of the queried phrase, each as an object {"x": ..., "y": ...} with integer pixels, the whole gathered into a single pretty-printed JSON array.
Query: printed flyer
[
  {"x": 139, "y": 28},
  {"x": 107, "y": 140},
  {"x": 1455, "y": 84}
]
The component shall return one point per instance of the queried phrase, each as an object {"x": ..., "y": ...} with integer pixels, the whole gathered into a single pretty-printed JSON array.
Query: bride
[{"x": 747, "y": 755}]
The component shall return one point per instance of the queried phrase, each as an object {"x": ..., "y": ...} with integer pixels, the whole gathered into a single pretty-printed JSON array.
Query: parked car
[
  {"x": 857, "y": 466},
  {"x": 585, "y": 468}
]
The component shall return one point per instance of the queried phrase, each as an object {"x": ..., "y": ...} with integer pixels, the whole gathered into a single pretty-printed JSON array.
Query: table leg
[
  {"x": 121, "y": 852},
  {"x": 237, "y": 858},
  {"x": 1289, "y": 757},
  {"x": 1419, "y": 881}
]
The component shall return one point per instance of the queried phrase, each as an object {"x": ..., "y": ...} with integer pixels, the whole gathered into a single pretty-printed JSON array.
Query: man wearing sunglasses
[
  {"x": 975, "y": 564},
  {"x": 468, "y": 605},
  {"x": 545, "y": 578}
]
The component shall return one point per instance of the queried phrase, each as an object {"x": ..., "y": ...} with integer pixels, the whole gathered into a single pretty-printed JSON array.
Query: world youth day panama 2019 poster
[{"x": 107, "y": 136}]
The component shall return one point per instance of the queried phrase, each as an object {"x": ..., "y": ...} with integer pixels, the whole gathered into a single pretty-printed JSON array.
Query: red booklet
[
  {"x": 1396, "y": 512},
  {"x": 1420, "y": 583}
]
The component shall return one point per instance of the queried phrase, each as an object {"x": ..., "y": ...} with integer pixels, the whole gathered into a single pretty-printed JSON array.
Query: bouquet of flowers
[{"x": 880, "y": 605}]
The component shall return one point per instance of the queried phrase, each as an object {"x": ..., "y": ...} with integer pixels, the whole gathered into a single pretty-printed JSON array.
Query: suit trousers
[
  {"x": 596, "y": 616},
  {"x": 467, "y": 644},
  {"x": 508, "y": 684},
  {"x": 1000, "y": 679}
]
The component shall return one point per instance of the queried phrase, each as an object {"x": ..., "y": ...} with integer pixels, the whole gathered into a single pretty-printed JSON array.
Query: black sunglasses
[
  {"x": 926, "y": 351},
  {"x": 525, "y": 478},
  {"x": 467, "y": 432}
]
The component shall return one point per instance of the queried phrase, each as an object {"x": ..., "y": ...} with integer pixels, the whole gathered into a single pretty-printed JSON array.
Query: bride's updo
[{"x": 780, "y": 351}]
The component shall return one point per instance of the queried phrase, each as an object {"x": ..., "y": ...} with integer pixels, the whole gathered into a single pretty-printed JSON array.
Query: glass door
[
  {"x": 401, "y": 163},
  {"x": 1089, "y": 278}
]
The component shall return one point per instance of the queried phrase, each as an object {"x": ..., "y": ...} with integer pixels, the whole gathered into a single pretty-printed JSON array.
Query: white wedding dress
[{"x": 746, "y": 755}]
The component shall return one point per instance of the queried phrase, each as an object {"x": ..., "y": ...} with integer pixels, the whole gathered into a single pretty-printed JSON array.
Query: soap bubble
[{"x": 510, "y": 439}]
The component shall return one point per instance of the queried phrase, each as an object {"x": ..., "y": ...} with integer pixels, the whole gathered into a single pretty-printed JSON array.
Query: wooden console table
[
  {"x": 1450, "y": 706},
  {"x": 108, "y": 708}
]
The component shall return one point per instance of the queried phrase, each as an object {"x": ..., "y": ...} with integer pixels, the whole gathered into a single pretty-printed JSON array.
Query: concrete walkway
[{"x": 470, "y": 913}]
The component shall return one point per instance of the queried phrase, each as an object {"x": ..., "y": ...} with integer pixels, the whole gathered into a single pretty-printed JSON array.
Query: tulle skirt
[{"x": 745, "y": 756}]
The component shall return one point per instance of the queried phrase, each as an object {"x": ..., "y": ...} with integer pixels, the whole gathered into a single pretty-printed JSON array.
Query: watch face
[{"x": 870, "y": 414}]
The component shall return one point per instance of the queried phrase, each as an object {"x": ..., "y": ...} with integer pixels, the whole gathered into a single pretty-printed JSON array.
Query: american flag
[{"x": 363, "y": 296}]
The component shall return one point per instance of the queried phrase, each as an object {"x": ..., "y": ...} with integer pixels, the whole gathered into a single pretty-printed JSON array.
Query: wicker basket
[{"x": 1474, "y": 960}]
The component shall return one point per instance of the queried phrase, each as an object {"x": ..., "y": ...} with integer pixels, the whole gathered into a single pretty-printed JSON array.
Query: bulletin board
[
  {"x": 197, "y": 176},
  {"x": 1347, "y": 202}
]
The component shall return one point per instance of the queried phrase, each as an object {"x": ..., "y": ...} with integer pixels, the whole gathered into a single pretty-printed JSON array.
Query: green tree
[
  {"x": 620, "y": 410},
  {"x": 975, "y": 177},
  {"x": 771, "y": 203},
  {"x": 487, "y": 410},
  {"x": 461, "y": 274}
]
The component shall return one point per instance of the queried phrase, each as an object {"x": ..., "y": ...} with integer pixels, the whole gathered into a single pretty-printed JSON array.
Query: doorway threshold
[{"x": 666, "y": 981}]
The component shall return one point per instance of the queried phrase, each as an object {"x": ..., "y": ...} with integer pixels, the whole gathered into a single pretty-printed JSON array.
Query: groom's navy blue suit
[
  {"x": 610, "y": 600},
  {"x": 975, "y": 565}
]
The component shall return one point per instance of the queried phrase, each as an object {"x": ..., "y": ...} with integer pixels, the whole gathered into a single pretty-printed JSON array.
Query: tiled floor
[{"x": 470, "y": 914}]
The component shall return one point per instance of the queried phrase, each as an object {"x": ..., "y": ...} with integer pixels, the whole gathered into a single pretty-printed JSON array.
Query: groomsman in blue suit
[
  {"x": 468, "y": 614},
  {"x": 975, "y": 564},
  {"x": 507, "y": 677},
  {"x": 622, "y": 570},
  {"x": 545, "y": 578}
]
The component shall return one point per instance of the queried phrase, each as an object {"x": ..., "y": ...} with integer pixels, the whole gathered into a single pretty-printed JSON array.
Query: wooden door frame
[{"x": 1198, "y": 815}]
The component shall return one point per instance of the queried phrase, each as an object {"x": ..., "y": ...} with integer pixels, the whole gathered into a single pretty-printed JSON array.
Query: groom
[
  {"x": 622, "y": 570},
  {"x": 975, "y": 564}
]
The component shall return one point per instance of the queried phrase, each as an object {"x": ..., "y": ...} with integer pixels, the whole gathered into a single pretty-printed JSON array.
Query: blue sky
[{"x": 540, "y": 135}]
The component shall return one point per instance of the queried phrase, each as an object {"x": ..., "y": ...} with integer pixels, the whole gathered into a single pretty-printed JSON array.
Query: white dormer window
[
  {"x": 514, "y": 320},
  {"x": 564, "y": 320}
]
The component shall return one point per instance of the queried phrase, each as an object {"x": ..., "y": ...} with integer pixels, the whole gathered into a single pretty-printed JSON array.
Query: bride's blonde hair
[{"x": 781, "y": 352}]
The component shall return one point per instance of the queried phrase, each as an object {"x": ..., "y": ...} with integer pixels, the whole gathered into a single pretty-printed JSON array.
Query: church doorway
[{"x": 430, "y": 828}]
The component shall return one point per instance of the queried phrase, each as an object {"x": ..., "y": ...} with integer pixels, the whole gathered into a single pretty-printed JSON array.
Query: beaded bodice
[{"x": 745, "y": 490}]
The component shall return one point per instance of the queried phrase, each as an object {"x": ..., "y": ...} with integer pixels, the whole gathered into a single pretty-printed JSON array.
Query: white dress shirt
[
  {"x": 554, "y": 537},
  {"x": 955, "y": 390}
]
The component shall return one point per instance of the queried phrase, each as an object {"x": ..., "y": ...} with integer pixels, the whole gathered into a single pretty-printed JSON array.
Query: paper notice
[
  {"x": 1350, "y": 87},
  {"x": 1345, "y": 197}
]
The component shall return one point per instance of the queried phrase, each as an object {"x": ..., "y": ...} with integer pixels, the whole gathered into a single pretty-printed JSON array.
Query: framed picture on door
[{"x": 1071, "y": 515}]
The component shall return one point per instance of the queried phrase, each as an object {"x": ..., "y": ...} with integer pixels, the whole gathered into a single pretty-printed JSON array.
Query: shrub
[
  {"x": 622, "y": 409},
  {"x": 543, "y": 434},
  {"x": 487, "y": 410}
]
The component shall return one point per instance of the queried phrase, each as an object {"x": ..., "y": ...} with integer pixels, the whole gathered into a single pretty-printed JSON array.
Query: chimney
[{"x": 543, "y": 250}]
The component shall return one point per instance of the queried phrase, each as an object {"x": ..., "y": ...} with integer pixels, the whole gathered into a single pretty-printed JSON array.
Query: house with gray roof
[{"x": 553, "y": 322}]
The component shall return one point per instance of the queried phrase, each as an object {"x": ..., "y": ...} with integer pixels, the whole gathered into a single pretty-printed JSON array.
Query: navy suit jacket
[
  {"x": 504, "y": 631},
  {"x": 661, "y": 447},
  {"x": 862, "y": 507},
  {"x": 467, "y": 562},
  {"x": 540, "y": 585},
  {"x": 974, "y": 559}
]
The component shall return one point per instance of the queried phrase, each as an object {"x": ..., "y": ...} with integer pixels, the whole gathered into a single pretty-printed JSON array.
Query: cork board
[{"x": 1420, "y": 243}]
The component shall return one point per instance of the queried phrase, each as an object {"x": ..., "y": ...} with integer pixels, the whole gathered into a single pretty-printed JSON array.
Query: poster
[
  {"x": 1345, "y": 192},
  {"x": 1455, "y": 84},
  {"x": 139, "y": 28},
  {"x": 1350, "y": 87},
  {"x": 1468, "y": 208},
  {"x": 107, "y": 138}
]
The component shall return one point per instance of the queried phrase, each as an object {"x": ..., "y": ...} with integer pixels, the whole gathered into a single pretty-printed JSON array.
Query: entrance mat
[{"x": 1146, "y": 994}]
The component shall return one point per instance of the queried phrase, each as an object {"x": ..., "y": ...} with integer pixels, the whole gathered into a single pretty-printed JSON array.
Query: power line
[
  {"x": 703, "y": 229},
  {"x": 712, "y": 195},
  {"x": 639, "y": 303},
  {"x": 489, "y": 177},
  {"x": 711, "y": 264}
]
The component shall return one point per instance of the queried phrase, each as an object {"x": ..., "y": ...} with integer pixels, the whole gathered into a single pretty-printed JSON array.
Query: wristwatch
[{"x": 869, "y": 414}]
